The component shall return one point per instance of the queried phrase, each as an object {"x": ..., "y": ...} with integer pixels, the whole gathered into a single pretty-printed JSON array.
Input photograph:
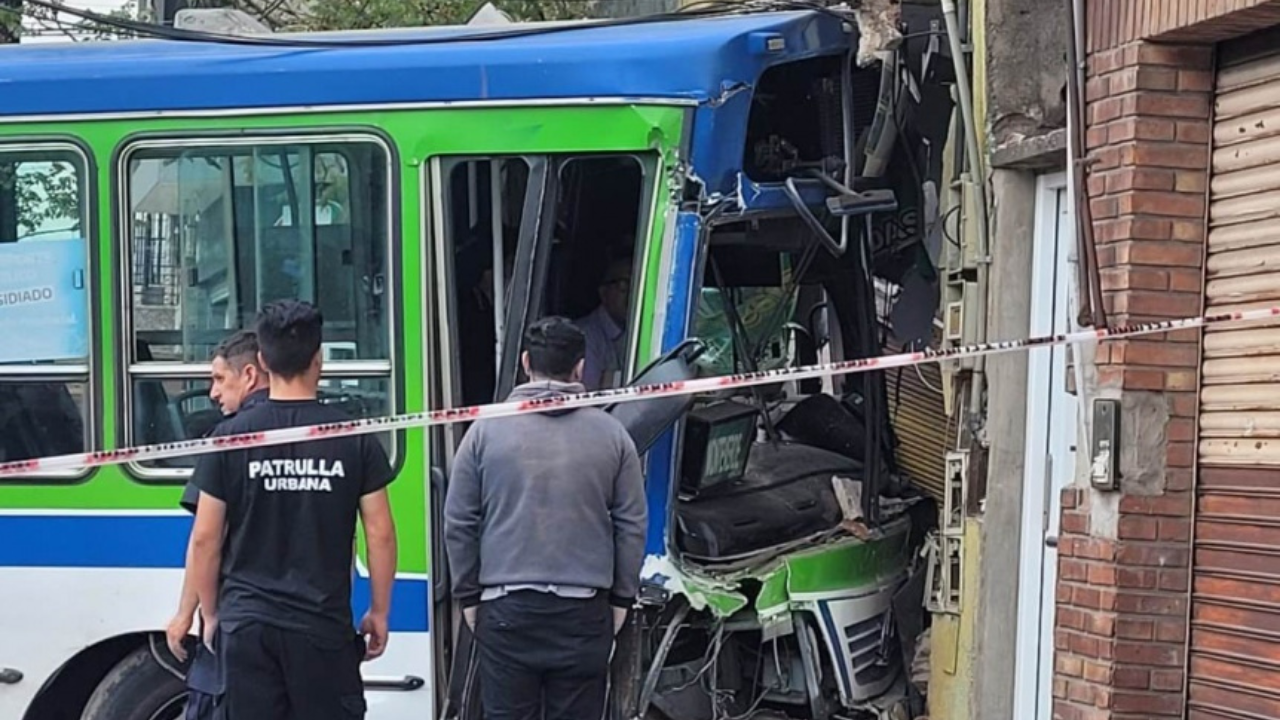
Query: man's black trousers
[
  {"x": 275, "y": 674},
  {"x": 544, "y": 657}
]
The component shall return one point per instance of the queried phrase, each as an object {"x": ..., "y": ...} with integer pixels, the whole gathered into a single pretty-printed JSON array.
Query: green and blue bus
[{"x": 433, "y": 191}]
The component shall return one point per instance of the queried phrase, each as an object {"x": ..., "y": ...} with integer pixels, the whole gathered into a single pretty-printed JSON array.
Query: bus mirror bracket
[
  {"x": 844, "y": 204},
  {"x": 646, "y": 420}
]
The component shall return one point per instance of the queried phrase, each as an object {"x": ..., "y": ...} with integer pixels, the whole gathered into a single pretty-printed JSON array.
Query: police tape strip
[{"x": 203, "y": 446}]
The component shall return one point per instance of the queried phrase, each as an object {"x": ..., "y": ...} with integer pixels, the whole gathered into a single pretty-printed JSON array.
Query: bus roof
[{"x": 692, "y": 59}]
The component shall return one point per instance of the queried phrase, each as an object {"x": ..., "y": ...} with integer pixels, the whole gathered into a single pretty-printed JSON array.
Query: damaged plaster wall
[
  {"x": 1144, "y": 428},
  {"x": 1026, "y": 69}
]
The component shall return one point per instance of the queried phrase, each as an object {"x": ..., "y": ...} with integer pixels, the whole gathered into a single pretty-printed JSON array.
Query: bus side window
[
  {"x": 45, "y": 359},
  {"x": 219, "y": 230}
]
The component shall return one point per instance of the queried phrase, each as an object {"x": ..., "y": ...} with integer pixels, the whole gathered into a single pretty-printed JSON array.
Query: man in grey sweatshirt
[{"x": 545, "y": 521}]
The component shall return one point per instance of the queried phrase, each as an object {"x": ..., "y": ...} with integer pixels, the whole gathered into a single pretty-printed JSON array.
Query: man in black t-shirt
[
  {"x": 238, "y": 384},
  {"x": 276, "y": 594}
]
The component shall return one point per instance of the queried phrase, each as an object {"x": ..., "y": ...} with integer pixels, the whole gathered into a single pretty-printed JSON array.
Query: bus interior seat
[
  {"x": 39, "y": 420},
  {"x": 156, "y": 421}
]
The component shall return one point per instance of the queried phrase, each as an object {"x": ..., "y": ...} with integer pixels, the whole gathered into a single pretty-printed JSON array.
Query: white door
[{"x": 1050, "y": 448}]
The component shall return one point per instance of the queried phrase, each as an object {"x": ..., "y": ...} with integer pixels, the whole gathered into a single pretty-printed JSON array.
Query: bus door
[{"x": 514, "y": 238}]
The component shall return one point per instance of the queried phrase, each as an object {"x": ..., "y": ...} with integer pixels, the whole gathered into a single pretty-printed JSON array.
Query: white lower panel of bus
[{"x": 48, "y": 615}]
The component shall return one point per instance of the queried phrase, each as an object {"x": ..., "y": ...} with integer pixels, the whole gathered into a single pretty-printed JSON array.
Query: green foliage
[
  {"x": 10, "y": 22},
  {"x": 43, "y": 193},
  {"x": 314, "y": 15}
]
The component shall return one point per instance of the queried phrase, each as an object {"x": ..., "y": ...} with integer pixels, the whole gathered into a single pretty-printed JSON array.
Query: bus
[{"x": 434, "y": 191}]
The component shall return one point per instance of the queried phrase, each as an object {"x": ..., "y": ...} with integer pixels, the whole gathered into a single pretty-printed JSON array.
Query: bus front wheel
[{"x": 138, "y": 688}]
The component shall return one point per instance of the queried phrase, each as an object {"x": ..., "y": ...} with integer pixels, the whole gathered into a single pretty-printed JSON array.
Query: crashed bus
[{"x": 773, "y": 177}]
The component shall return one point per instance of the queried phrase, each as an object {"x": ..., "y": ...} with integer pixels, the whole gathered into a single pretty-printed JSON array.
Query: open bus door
[{"x": 645, "y": 421}]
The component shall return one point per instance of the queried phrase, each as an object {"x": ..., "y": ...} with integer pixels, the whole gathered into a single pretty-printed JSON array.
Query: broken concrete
[
  {"x": 1041, "y": 152},
  {"x": 1026, "y": 69},
  {"x": 878, "y": 22},
  {"x": 1144, "y": 422}
]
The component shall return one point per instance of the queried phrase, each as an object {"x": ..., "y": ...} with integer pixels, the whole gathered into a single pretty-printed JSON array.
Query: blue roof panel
[{"x": 690, "y": 59}]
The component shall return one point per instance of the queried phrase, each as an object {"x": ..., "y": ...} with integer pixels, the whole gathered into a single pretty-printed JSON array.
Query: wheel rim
[{"x": 172, "y": 709}]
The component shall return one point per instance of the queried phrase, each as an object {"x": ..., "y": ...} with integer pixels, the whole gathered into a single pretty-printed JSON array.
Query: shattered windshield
[{"x": 762, "y": 312}]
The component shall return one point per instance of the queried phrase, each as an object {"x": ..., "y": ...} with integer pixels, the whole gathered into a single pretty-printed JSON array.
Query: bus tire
[{"x": 138, "y": 688}]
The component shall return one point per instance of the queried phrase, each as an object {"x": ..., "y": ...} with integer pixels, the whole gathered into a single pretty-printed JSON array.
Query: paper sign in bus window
[{"x": 43, "y": 301}]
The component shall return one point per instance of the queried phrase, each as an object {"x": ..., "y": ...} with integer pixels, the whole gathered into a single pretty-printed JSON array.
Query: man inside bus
[
  {"x": 477, "y": 335},
  {"x": 238, "y": 384},
  {"x": 545, "y": 540},
  {"x": 606, "y": 328},
  {"x": 272, "y": 545}
]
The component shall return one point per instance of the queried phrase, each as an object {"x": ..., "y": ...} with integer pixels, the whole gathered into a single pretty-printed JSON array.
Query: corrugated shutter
[
  {"x": 920, "y": 422},
  {"x": 1234, "y": 669}
]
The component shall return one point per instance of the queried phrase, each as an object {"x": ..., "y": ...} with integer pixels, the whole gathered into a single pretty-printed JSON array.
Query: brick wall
[
  {"x": 1114, "y": 23},
  {"x": 1124, "y": 558}
]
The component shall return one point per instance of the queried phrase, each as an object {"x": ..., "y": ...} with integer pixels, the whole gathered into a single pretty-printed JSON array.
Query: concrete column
[{"x": 1013, "y": 231}]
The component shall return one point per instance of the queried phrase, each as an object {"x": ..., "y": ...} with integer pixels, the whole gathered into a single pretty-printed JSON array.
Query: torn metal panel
[
  {"x": 795, "y": 577},
  {"x": 752, "y": 196},
  {"x": 727, "y": 91},
  {"x": 703, "y": 593}
]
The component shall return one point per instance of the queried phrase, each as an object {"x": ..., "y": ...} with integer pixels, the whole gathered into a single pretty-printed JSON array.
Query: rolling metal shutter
[
  {"x": 1234, "y": 668},
  {"x": 920, "y": 422}
]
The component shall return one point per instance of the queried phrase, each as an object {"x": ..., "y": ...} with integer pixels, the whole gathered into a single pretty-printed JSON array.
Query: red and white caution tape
[{"x": 203, "y": 446}]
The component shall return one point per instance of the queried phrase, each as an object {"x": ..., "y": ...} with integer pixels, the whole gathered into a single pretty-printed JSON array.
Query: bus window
[
  {"x": 45, "y": 391},
  {"x": 485, "y": 201},
  {"x": 220, "y": 230},
  {"x": 594, "y": 263},
  {"x": 568, "y": 229}
]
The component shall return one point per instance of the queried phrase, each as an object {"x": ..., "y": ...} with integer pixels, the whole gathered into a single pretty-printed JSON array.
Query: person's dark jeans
[
  {"x": 274, "y": 674},
  {"x": 544, "y": 657}
]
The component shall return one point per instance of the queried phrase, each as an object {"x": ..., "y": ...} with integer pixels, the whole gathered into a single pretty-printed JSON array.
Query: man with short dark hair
[
  {"x": 237, "y": 383},
  {"x": 276, "y": 594},
  {"x": 545, "y": 521}
]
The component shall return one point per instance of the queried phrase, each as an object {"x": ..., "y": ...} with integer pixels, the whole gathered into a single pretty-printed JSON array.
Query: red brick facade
[
  {"x": 1113, "y": 23},
  {"x": 1124, "y": 567},
  {"x": 1125, "y": 559}
]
